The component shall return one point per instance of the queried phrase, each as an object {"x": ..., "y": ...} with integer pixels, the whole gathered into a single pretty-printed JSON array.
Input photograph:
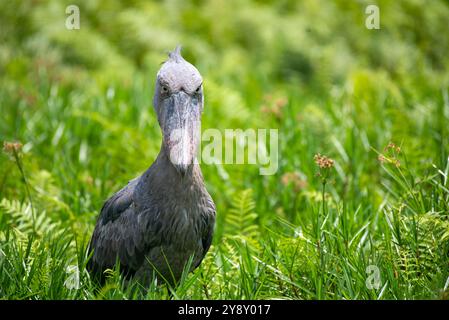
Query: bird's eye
[
  {"x": 198, "y": 90},
  {"x": 164, "y": 89}
]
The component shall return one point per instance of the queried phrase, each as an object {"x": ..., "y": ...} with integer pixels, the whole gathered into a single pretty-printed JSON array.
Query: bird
[{"x": 161, "y": 222}]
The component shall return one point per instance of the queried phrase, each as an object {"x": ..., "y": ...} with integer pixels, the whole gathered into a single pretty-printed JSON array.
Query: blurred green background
[{"x": 80, "y": 102}]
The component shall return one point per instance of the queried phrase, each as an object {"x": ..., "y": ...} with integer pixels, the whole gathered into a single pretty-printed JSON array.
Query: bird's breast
[{"x": 179, "y": 226}]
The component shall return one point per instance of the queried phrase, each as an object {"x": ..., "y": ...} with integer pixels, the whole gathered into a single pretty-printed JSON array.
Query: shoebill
[{"x": 165, "y": 218}]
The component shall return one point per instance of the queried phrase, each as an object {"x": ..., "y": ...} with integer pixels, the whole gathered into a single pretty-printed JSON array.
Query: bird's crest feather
[{"x": 175, "y": 55}]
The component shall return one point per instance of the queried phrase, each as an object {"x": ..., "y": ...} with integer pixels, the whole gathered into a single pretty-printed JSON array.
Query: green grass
[{"x": 80, "y": 102}]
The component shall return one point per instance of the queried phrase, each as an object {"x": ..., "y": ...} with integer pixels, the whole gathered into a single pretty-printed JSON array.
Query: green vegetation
[{"x": 80, "y": 104}]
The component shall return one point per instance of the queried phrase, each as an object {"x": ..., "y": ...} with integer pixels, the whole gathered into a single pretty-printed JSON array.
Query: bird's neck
[
  {"x": 167, "y": 169},
  {"x": 162, "y": 176},
  {"x": 163, "y": 181}
]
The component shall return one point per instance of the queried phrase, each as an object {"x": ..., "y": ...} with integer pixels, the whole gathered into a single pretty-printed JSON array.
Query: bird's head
[{"x": 178, "y": 101}]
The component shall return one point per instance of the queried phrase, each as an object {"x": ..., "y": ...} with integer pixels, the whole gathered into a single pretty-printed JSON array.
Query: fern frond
[
  {"x": 241, "y": 219},
  {"x": 20, "y": 218}
]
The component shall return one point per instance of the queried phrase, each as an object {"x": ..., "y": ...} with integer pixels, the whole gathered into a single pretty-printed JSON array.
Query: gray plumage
[{"x": 165, "y": 216}]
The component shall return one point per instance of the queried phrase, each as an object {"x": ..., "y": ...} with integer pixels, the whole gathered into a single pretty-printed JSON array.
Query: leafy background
[{"x": 80, "y": 103}]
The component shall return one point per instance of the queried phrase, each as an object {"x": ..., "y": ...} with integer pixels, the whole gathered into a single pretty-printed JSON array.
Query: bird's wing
[
  {"x": 117, "y": 234},
  {"x": 208, "y": 222}
]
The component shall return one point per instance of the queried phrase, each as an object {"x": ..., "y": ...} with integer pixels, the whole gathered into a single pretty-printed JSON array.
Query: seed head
[
  {"x": 392, "y": 147},
  {"x": 382, "y": 158},
  {"x": 390, "y": 155},
  {"x": 294, "y": 179},
  {"x": 274, "y": 106},
  {"x": 11, "y": 147},
  {"x": 323, "y": 162}
]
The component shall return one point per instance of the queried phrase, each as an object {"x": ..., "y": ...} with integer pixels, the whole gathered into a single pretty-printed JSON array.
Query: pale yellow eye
[{"x": 164, "y": 89}]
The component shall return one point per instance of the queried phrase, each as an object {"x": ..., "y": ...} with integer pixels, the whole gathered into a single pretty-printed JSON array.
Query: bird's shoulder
[{"x": 118, "y": 203}]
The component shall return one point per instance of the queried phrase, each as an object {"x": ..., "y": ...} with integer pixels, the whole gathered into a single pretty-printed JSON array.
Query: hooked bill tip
[{"x": 181, "y": 149}]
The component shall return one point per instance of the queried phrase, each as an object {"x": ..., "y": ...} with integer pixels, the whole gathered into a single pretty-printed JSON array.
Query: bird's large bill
[{"x": 181, "y": 129}]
